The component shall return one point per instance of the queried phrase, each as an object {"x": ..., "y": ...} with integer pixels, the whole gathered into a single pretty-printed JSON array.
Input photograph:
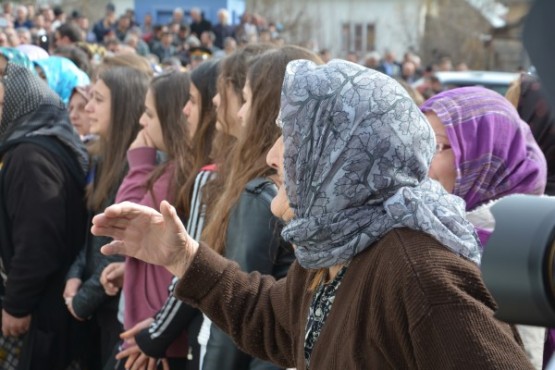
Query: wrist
[{"x": 184, "y": 259}]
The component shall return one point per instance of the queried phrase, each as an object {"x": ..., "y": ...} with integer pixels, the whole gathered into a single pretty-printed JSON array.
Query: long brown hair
[
  {"x": 127, "y": 90},
  {"x": 124, "y": 60},
  {"x": 171, "y": 92},
  {"x": 233, "y": 73},
  {"x": 204, "y": 77},
  {"x": 265, "y": 78}
]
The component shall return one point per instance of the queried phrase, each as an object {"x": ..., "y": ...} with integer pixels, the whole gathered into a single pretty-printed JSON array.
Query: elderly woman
[
  {"x": 386, "y": 273},
  {"x": 42, "y": 220}
]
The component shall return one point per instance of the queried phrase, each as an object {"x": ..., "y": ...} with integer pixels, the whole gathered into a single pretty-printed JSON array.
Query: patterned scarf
[
  {"x": 495, "y": 152},
  {"x": 31, "y": 108},
  {"x": 357, "y": 152}
]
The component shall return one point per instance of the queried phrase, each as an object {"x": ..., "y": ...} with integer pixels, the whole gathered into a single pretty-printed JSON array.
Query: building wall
[{"x": 326, "y": 24}]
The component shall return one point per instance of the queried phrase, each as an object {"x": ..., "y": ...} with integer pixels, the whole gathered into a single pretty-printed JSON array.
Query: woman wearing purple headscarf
[{"x": 484, "y": 151}]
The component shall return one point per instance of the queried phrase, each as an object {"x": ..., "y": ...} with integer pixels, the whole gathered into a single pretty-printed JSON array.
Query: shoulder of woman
[
  {"x": 414, "y": 255},
  {"x": 262, "y": 186}
]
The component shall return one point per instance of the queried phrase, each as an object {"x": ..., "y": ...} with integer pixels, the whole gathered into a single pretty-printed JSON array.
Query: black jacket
[
  {"x": 88, "y": 267},
  {"x": 43, "y": 223},
  {"x": 253, "y": 241}
]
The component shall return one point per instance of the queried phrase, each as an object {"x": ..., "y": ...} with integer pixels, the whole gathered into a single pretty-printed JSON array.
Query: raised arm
[
  {"x": 259, "y": 320},
  {"x": 135, "y": 228}
]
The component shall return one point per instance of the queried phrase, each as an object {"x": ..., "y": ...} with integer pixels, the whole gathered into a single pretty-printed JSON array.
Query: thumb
[{"x": 171, "y": 218}]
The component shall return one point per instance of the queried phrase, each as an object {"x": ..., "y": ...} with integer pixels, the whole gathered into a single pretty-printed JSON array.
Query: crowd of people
[
  {"x": 182, "y": 42},
  {"x": 225, "y": 201}
]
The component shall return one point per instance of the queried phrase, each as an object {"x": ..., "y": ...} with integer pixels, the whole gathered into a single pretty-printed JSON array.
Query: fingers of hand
[
  {"x": 131, "y": 352},
  {"x": 152, "y": 364},
  {"x": 130, "y": 360},
  {"x": 140, "y": 363},
  {"x": 116, "y": 272},
  {"x": 114, "y": 247}
]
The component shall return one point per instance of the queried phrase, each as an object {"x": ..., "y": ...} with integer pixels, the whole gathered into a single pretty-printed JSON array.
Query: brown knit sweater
[{"x": 405, "y": 303}]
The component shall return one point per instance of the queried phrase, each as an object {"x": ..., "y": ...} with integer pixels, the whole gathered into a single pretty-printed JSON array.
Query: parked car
[{"x": 497, "y": 81}]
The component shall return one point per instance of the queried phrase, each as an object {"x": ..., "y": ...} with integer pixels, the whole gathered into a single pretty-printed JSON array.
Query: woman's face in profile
[
  {"x": 99, "y": 109},
  {"x": 442, "y": 168},
  {"x": 280, "y": 204},
  {"x": 77, "y": 114},
  {"x": 192, "y": 109}
]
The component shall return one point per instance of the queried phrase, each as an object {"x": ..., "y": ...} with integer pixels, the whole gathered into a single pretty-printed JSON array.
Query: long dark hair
[
  {"x": 265, "y": 78},
  {"x": 204, "y": 77},
  {"x": 171, "y": 92},
  {"x": 233, "y": 73},
  {"x": 127, "y": 90}
]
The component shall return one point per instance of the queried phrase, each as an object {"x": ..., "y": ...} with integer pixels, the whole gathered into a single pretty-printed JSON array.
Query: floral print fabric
[
  {"x": 319, "y": 311},
  {"x": 357, "y": 151}
]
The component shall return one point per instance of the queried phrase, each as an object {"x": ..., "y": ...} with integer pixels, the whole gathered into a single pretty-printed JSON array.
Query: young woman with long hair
[
  {"x": 240, "y": 222},
  {"x": 156, "y": 337},
  {"x": 148, "y": 182},
  {"x": 114, "y": 110}
]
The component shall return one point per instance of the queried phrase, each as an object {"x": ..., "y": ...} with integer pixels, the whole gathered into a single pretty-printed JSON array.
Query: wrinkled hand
[
  {"x": 142, "y": 140},
  {"x": 14, "y": 326},
  {"x": 143, "y": 233},
  {"x": 112, "y": 278}
]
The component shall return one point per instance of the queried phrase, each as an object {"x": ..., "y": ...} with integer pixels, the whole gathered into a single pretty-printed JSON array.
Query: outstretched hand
[{"x": 143, "y": 233}]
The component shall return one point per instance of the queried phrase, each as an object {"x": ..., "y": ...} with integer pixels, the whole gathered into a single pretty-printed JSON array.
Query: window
[{"x": 359, "y": 37}]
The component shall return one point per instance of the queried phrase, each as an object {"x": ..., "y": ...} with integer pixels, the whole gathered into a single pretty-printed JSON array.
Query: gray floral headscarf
[{"x": 357, "y": 153}]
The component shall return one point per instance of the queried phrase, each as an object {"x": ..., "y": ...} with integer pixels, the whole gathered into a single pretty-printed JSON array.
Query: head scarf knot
[{"x": 357, "y": 152}]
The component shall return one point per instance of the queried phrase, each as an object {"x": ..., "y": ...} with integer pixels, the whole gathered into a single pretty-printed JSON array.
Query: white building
[{"x": 358, "y": 25}]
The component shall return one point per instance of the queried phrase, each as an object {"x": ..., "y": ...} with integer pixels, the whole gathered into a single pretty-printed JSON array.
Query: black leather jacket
[{"x": 254, "y": 242}]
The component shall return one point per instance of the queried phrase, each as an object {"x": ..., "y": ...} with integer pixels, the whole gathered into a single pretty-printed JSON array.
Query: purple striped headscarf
[{"x": 495, "y": 152}]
